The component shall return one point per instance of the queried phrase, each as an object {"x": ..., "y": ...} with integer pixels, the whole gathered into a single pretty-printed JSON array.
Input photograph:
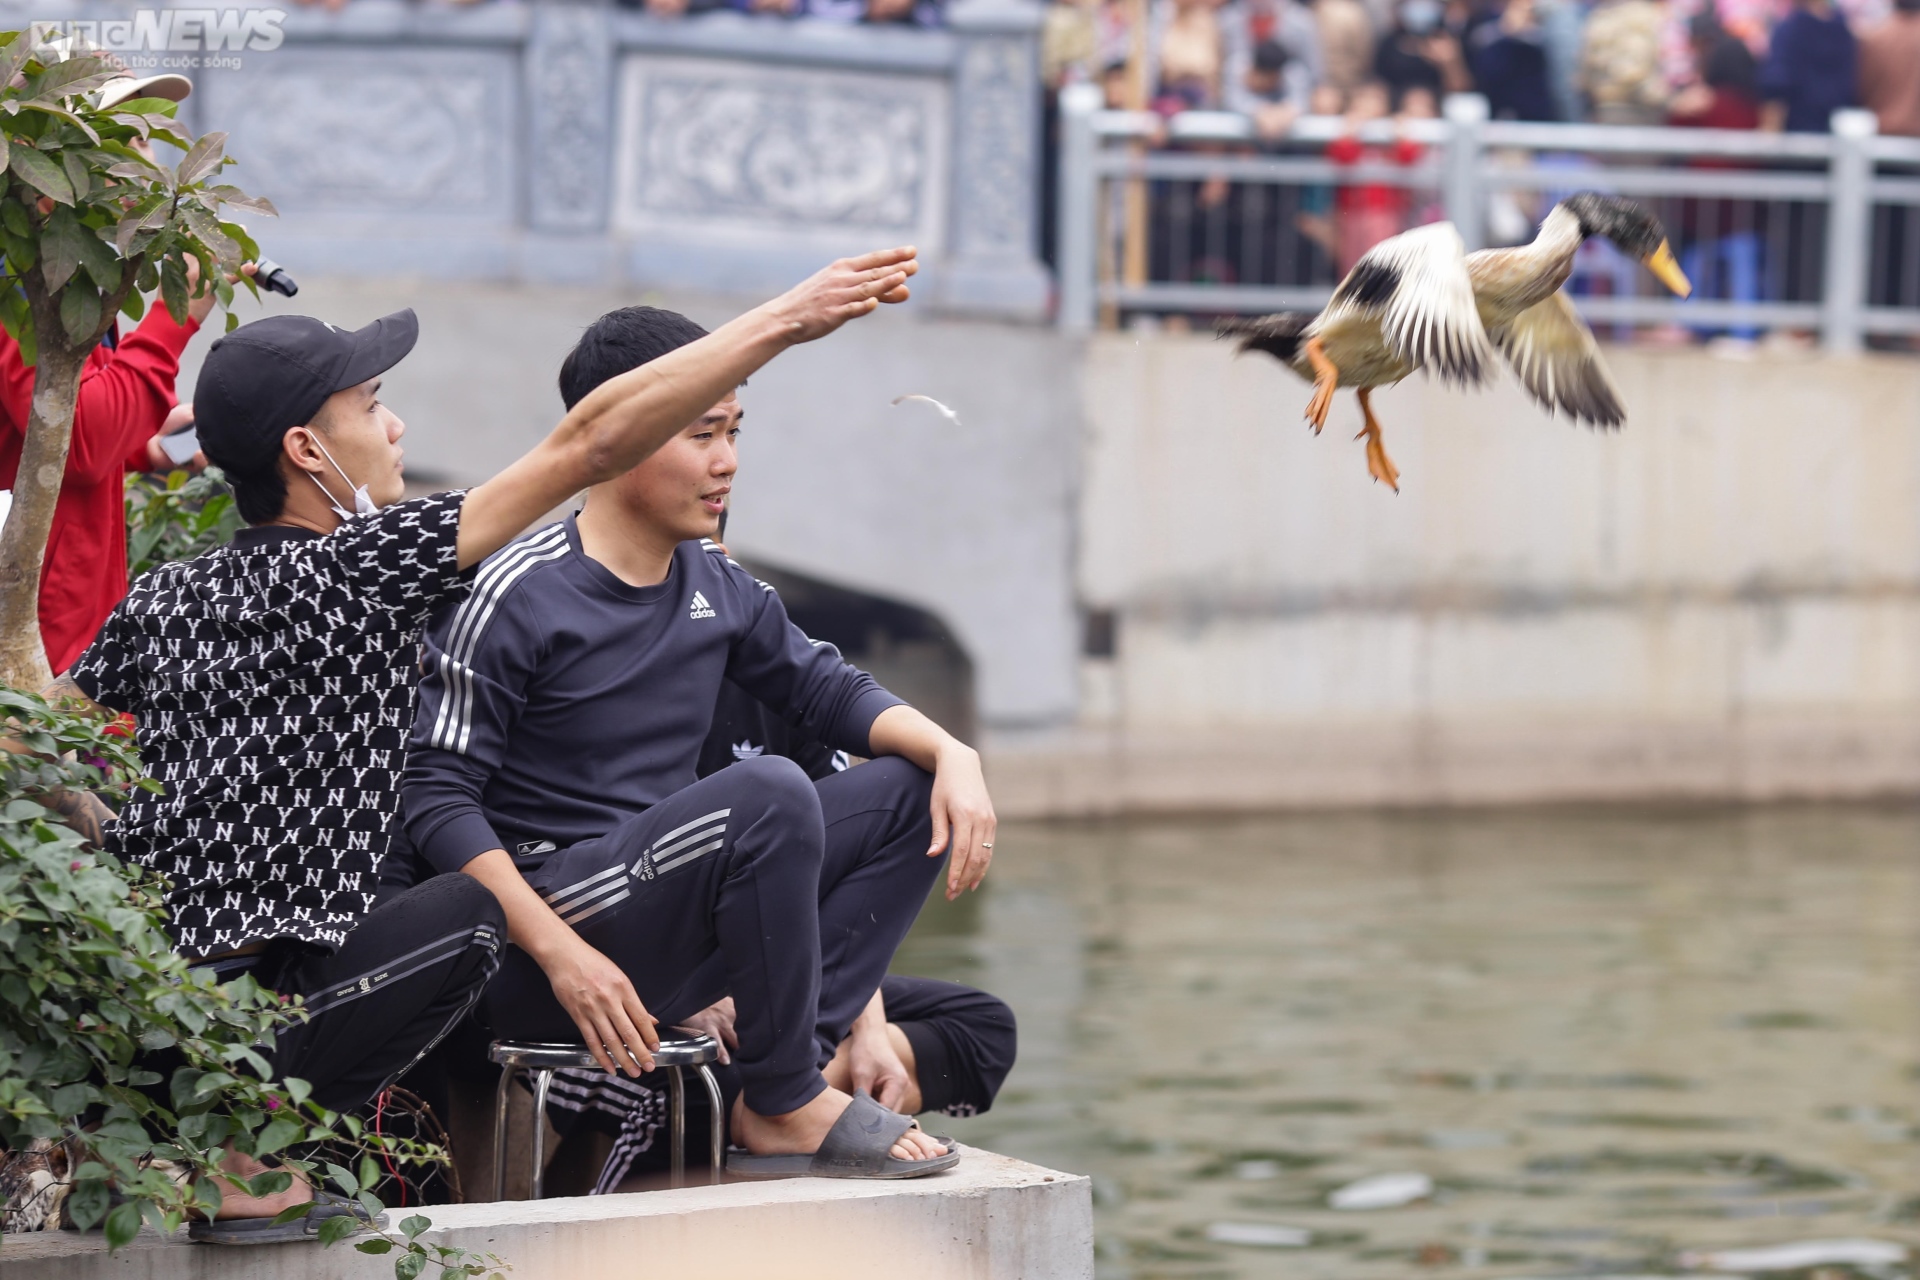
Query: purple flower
[
  {"x": 75, "y": 865},
  {"x": 273, "y": 1103}
]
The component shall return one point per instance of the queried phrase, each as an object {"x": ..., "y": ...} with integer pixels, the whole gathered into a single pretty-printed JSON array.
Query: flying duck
[{"x": 1420, "y": 301}]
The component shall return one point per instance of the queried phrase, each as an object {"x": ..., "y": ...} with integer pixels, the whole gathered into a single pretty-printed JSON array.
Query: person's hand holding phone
[{"x": 176, "y": 446}]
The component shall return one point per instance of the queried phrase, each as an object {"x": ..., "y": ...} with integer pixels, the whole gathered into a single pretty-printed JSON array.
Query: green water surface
[{"x": 1609, "y": 1039}]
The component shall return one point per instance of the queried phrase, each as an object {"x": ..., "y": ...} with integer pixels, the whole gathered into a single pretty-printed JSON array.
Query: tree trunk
[{"x": 36, "y": 488}]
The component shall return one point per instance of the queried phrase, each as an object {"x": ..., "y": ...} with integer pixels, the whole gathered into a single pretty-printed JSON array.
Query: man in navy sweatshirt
[{"x": 562, "y": 711}]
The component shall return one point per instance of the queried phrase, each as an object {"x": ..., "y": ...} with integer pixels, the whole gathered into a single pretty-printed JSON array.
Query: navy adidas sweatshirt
[{"x": 557, "y": 700}]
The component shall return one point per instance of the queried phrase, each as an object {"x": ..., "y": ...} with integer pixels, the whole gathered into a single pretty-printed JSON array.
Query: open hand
[
  {"x": 617, "y": 1029},
  {"x": 962, "y": 810},
  {"x": 844, "y": 290}
]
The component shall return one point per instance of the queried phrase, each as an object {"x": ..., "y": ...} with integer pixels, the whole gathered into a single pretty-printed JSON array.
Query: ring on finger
[{"x": 986, "y": 844}]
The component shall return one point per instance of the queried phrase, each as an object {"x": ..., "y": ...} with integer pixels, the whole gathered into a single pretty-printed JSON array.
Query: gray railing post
[
  {"x": 569, "y": 87},
  {"x": 1466, "y": 114},
  {"x": 994, "y": 244},
  {"x": 1079, "y": 188},
  {"x": 1849, "y": 232}
]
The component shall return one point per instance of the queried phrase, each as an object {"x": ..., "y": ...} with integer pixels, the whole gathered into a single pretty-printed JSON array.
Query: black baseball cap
[{"x": 268, "y": 377}]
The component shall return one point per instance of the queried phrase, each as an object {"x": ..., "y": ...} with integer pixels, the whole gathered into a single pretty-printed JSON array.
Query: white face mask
[{"x": 362, "y": 504}]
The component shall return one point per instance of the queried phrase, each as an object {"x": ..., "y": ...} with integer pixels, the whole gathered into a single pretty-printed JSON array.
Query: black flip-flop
[
  {"x": 266, "y": 1231},
  {"x": 858, "y": 1146}
]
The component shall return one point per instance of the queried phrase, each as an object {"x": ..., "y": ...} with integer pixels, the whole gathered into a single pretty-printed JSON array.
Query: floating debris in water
[
  {"x": 1259, "y": 1235},
  {"x": 1256, "y": 1170},
  {"x": 945, "y": 412},
  {"x": 1382, "y": 1191},
  {"x": 1799, "y": 1256}
]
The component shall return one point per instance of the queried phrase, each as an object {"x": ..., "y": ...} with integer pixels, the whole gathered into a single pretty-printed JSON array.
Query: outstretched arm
[{"x": 626, "y": 418}]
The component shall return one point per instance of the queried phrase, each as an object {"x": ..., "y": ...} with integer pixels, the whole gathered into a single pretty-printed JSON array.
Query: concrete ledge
[
  {"x": 993, "y": 1218},
  {"x": 1436, "y": 762}
]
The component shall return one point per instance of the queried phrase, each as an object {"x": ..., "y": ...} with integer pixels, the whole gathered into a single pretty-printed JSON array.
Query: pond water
[{"x": 1607, "y": 1040}]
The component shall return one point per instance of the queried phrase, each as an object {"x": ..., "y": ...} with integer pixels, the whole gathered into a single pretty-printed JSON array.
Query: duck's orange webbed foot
[
  {"x": 1325, "y": 379},
  {"x": 1379, "y": 465}
]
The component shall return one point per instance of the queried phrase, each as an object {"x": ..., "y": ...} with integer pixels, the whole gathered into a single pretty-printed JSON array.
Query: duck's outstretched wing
[
  {"x": 1417, "y": 283},
  {"x": 1556, "y": 359}
]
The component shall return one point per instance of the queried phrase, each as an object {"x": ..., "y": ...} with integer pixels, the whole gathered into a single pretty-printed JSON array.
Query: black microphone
[{"x": 272, "y": 275}]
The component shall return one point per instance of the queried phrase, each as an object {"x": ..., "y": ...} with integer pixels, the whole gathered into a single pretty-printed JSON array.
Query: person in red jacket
[{"x": 126, "y": 393}]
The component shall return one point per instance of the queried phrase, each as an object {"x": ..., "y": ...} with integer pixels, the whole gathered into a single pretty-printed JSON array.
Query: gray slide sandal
[
  {"x": 265, "y": 1231},
  {"x": 858, "y": 1146}
]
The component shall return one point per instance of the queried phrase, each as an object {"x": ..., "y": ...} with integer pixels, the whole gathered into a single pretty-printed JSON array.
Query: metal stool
[{"x": 541, "y": 1060}]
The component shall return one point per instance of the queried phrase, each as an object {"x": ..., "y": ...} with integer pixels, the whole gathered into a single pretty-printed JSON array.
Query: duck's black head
[{"x": 1629, "y": 225}]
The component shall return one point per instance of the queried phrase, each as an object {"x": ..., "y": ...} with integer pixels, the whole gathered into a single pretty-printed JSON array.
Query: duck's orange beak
[{"x": 1661, "y": 263}]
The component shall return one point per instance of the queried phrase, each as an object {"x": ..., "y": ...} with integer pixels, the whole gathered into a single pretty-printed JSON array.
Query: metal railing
[{"x": 1194, "y": 215}]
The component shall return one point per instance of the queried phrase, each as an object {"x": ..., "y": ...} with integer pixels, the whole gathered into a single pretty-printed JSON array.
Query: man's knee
[
  {"x": 778, "y": 785},
  {"x": 901, "y": 785},
  {"x": 448, "y": 903}
]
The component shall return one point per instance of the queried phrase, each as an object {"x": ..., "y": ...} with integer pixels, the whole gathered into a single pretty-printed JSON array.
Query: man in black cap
[{"x": 273, "y": 679}]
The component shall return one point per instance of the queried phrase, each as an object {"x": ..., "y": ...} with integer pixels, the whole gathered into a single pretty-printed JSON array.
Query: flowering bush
[{"x": 93, "y": 996}]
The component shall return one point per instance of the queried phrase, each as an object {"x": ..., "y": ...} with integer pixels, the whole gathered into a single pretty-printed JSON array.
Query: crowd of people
[
  {"x": 1735, "y": 64},
  {"x": 914, "y": 13}
]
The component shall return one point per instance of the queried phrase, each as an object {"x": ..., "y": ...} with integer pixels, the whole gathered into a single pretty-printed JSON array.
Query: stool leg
[
  {"x": 677, "y": 1110},
  {"x": 716, "y": 1135},
  {"x": 500, "y": 1099},
  {"x": 541, "y": 1080}
]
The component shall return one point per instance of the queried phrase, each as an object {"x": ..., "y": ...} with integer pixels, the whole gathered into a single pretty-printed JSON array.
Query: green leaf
[
  {"x": 123, "y": 1224},
  {"x": 80, "y": 311},
  {"x": 60, "y": 248},
  {"x": 409, "y": 1265},
  {"x": 270, "y": 1183},
  {"x": 145, "y": 216},
  {"x": 38, "y": 172},
  {"x": 149, "y": 106},
  {"x": 134, "y": 307},
  {"x": 173, "y": 287},
  {"x": 238, "y": 199},
  {"x": 292, "y": 1213},
  {"x": 413, "y": 1226},
  {"x": 71, "y": 77},
  {"x": 379, "y": 1244},
  {"x": 348, "y": 1182},
  {"x": 12, "y": 216},
  {"x": 77, "y": 173},
  {"x": 202, "y": 158},
  {"x": 334, "y": 1230},
  {"x": 277, "y": 1135}
]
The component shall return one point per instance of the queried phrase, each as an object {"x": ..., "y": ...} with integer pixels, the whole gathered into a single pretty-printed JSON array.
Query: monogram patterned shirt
[{"x": 273, "y": 682}]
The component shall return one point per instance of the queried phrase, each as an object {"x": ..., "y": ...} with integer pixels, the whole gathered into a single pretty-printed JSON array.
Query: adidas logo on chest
[{"x": 698, "y": 607}]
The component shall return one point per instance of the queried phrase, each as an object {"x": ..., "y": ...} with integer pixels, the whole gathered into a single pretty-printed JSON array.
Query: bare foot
[
  {"x": 801, "y": 1132},
  {"x": 238, "y": 1204}
]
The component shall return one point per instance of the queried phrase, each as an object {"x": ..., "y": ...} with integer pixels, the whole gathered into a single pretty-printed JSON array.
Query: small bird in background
[
  {"x": 945, "y": 412},
  {"x": 1420, "y": 301}
]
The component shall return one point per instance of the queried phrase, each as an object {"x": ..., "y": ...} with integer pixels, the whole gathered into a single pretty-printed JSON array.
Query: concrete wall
[
  {"x": 1721, "y": 600},
  {"x": 990, "y": 1219},
  {"x": 972, "y": 522}
]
